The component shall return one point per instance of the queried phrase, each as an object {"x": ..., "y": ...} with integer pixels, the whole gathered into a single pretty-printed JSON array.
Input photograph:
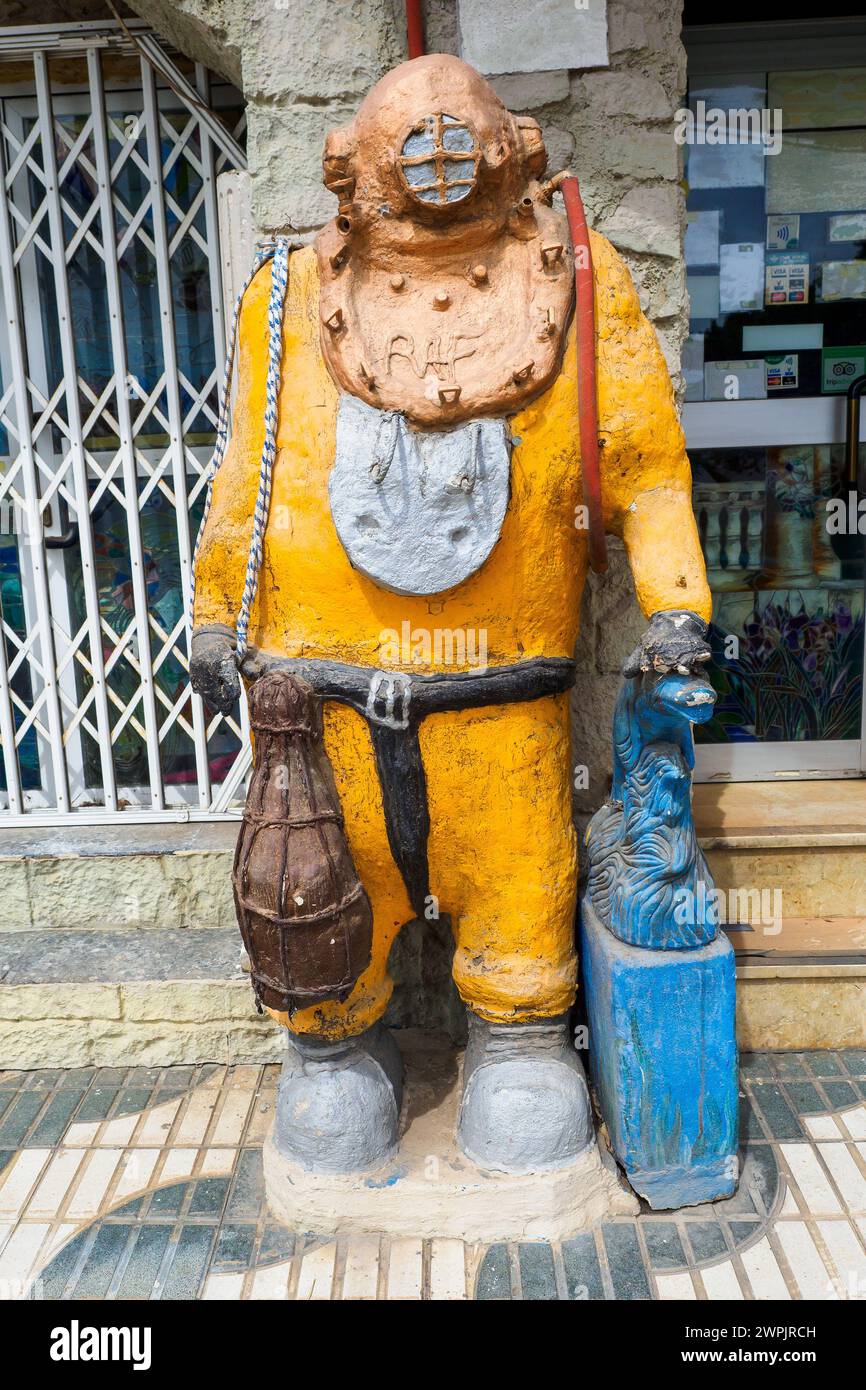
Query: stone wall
[{"x": 304, "y": 68}]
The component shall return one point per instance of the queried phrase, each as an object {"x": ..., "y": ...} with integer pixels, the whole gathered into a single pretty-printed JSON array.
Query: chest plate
[
  {"x": 417, "y": 511},
  {"x": 448, "y": 339}
]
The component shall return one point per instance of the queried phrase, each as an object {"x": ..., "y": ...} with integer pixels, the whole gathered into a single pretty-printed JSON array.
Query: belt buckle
[{"x": 395, "y": 688}]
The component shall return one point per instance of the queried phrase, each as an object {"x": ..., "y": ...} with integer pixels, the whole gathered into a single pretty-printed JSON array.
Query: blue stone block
[{"x": 663, "y": 1060}]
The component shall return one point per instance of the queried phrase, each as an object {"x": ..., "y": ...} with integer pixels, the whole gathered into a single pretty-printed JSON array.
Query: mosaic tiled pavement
[{"x": 147, "y": 1184}]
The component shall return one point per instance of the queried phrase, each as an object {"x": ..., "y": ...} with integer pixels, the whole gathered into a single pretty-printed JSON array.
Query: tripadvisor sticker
[{"x": 841, "y": 366}]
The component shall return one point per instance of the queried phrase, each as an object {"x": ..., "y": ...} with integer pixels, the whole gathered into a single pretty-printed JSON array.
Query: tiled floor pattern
[{"x": 147, "y": 1183}]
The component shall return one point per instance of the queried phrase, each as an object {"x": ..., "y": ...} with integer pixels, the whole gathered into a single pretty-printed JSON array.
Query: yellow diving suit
[{"x": 503, "y": 859}]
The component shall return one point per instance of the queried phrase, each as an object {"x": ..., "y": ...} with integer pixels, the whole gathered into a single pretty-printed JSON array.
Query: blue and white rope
[
  {"x": 278, "y": 253},
  {"x": 276, "y": 304}
]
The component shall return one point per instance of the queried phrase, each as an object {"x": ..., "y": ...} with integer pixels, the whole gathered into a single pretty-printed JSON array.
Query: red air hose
[
  {"x": 414, "y": 28},
  {"x": 587, "y": 401}
]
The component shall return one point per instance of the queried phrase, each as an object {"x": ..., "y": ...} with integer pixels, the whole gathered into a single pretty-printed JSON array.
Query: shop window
[{"x": 775, "y": 165}]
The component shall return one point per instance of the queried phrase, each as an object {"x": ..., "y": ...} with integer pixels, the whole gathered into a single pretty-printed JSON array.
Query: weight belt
[{"x": 394, "y": 703}]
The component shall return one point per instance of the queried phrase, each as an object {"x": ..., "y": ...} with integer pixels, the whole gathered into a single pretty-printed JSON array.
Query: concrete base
[{"x": 430, "y": 1189}]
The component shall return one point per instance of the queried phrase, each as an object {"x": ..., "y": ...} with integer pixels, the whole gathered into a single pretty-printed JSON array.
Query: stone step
[
  {"x": 804, "y": 987},
  {"x": 120, "y": 944},
  {"x": 805, "y": 840},
  {"x": 113, "y": 877},
  {"x": 129, "y": 997},
  {"x": 801, "y": 840},
  {"x": 801, "y": 940},
  {"x": 161, "y": 996},
  {"x": 781, "y": 807},
  {"x": 815, "y": 875},
  {"x": 190, "y": 886}
]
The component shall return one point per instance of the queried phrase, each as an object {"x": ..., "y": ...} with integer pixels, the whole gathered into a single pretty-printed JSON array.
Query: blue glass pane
[
  {"x": 166, "y": 599},
  {"x": 459, "y": 139},
  {"x": 12, "y": 607},
  {"x": 420, "y": 173},
  {"x": 420, "y": 142}
]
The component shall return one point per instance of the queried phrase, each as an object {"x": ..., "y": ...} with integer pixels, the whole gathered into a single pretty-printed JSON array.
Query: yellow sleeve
[
  {"x": 222, "y": 559},
  {"x": 646, "y": 478}
]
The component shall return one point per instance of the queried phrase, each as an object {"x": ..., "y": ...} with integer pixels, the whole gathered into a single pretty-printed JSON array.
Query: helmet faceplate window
[{"x": 439, "y": 160}]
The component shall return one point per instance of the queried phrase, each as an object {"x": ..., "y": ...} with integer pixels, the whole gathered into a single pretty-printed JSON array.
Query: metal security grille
[{"x": 109, "y": 268}]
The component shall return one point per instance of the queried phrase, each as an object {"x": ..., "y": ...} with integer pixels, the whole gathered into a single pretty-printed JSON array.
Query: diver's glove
[
  {"x": 674, "y": 641},
  {"x": 213, "y": 669}
]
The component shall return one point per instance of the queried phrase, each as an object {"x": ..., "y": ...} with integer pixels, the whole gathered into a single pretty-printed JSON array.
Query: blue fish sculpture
[{"x": 648, "y": 881}]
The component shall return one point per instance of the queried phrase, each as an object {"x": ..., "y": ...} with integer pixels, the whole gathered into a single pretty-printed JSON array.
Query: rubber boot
[
  {"x": 525, "y": 1105},
  {"x": 338, "y": 1103}
]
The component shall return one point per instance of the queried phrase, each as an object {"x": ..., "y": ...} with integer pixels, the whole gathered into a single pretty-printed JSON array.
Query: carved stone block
[{"x": 663, "y": 1060}]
